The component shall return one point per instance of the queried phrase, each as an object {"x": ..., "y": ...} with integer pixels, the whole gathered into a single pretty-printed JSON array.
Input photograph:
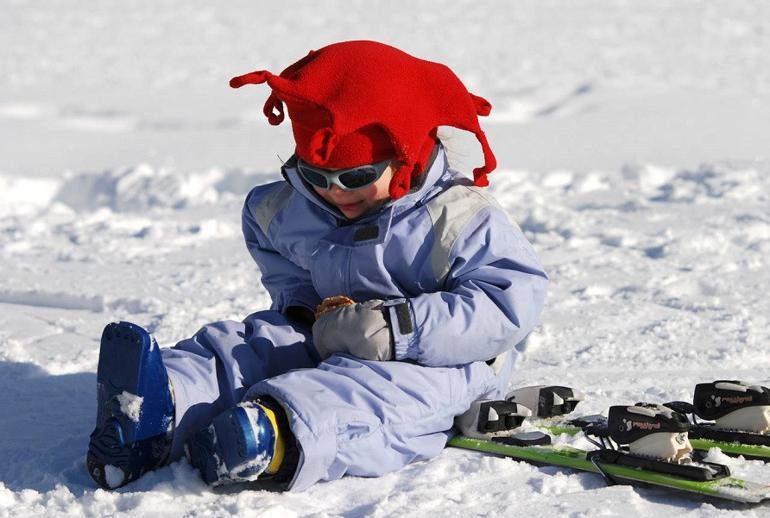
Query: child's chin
[{"x": 353, "y": 212}]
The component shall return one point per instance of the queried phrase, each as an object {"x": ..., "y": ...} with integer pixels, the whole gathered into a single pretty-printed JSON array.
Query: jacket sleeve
[
  {"x": 289, "y": 285},
  {"x": 494, "y": 294}
]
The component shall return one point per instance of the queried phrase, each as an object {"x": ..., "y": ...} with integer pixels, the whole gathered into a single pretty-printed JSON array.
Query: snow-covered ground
[{"x": 633, "y": 150}]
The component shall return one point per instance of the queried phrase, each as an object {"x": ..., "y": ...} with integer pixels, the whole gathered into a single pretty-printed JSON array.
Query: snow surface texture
[{"x": 632, "y": 142}]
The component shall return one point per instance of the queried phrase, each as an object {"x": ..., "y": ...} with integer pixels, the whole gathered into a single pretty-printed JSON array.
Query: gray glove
[{"x": 358, "y": 329}]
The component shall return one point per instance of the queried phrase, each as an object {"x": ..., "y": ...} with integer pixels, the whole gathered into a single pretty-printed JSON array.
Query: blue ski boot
[
  {"x": 241, "y": 444},
  {"x": 135, "y": 408}
]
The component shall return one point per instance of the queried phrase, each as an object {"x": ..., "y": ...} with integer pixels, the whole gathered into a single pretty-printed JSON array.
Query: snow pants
[{"x": 348, "y": 415}]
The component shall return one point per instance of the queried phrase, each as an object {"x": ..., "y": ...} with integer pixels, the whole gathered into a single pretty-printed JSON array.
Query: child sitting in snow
[{"x": 399, "y": 290}]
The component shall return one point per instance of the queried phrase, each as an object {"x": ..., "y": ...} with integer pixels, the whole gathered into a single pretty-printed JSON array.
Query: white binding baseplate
[
  {"x": 670, "y": 447},
  {"x": 750, "y": 419}
]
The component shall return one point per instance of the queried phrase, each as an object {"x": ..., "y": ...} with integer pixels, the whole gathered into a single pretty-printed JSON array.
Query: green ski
[{"x": 725, "y": 488}]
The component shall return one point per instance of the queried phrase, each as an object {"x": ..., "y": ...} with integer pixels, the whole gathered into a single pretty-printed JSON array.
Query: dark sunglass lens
[
  {"x": 358, "y": 178},
  {"x": 316, "y": 179}
]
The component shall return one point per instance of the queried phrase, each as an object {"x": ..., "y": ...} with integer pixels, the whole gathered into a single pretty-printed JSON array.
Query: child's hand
[
  {"x": 330, "y": 303},
  {"x": 360, "y": 329}
]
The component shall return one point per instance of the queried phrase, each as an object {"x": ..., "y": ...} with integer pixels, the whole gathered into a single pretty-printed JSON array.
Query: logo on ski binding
[
  {"x": 731, "y": 400},
  {"x": 629, "y": 424}
]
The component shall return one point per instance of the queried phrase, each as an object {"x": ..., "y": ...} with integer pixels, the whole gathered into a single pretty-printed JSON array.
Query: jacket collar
[{"x": 437, "y": 175}]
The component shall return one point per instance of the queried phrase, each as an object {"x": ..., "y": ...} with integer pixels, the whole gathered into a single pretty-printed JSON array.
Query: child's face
[{"x": 356, "y": 203}]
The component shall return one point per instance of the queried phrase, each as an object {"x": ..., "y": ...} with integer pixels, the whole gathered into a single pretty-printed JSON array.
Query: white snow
[
  {"x": 632, "y": 147},
  {"x": 130, "y": 405}
]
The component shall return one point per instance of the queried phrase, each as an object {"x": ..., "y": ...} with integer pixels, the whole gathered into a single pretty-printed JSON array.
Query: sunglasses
[{"x": 346, "y": 179}]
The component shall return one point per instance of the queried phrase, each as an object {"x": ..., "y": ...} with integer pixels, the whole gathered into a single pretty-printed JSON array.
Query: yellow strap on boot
[{"x": 279, "y": 449}]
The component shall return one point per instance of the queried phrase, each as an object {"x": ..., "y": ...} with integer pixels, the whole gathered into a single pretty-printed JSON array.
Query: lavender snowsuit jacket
[{"x": 462, "y": 285}]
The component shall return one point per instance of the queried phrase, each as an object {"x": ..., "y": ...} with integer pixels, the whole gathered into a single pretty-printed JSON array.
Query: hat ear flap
[
  {"x": 322, "y": 143},
  {"x": 401, "y": 181}
]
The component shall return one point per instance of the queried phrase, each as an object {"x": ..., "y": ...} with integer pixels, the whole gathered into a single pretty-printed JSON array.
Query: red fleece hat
[{"x": 360, "y": 102}]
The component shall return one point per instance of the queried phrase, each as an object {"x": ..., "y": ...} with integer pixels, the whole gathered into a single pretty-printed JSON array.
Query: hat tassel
[{"x": 490, "y": 162}]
